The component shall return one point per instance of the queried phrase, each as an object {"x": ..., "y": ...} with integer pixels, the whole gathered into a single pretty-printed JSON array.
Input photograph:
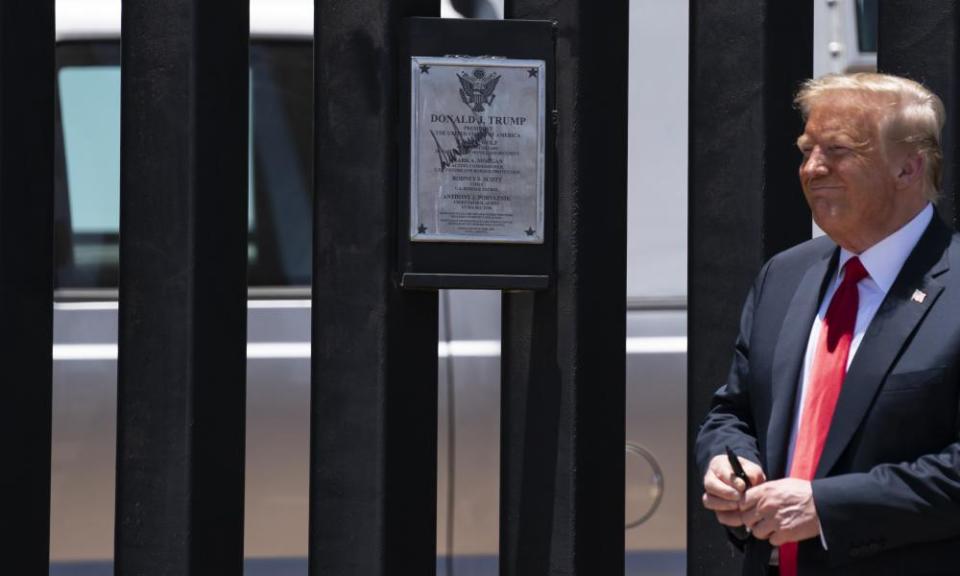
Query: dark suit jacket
[{"x": 887, "y": 488}]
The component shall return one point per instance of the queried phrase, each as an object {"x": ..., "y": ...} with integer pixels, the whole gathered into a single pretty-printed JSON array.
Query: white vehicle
[{"x": 278, "y": 372}]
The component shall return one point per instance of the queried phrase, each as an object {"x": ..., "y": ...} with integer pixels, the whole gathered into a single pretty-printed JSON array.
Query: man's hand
[
  {"x": 723, "y": 491},
  {"x": 781, "y": 511}
]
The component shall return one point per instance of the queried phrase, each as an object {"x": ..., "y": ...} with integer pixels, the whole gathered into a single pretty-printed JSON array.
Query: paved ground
[{"x": 660, "y": 563}]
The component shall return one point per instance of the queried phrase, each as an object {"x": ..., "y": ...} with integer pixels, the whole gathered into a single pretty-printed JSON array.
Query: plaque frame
[
  {"x": 459, "y": 262},
  {"x": 536, "y": 69}
]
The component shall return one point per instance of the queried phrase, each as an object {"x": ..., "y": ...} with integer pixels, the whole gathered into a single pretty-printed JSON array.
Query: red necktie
[{"x": 823, "y": 388}]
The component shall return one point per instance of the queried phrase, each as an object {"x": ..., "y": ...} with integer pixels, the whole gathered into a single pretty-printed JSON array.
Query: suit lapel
[
  {"x": 788, "y": 357},
  {"x": 891, "y": 327}
]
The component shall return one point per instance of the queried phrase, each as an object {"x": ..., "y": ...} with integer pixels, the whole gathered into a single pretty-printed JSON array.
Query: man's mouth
[{"x": 818, "y": 187}]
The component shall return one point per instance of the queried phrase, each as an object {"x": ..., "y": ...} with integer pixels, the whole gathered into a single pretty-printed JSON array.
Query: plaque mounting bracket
[{"x": 476, "y": 206}]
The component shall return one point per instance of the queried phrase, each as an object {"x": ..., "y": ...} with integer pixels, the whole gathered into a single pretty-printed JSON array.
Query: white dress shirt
[{"x": 883, "y": 262}]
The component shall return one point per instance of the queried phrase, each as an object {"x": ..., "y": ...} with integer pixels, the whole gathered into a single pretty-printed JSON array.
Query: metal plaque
[{"x": 477, "y": 150}]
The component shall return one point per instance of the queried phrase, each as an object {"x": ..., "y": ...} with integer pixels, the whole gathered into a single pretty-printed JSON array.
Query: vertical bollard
[
  {"x": 180, "y": 437},
  {"x": 374, "y": 350},
  {"x": 26, "y": 278},
  {"x": 562, "y": 492},
  {"x": 919, "y": 40},
  {"x": 746, "y": 61}
]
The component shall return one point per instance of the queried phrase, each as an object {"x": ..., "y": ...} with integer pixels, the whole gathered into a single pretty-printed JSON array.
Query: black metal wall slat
[
  {"x": 919, "y": 40},
  {"x": 563, "y": 374},
  {"x": 374, "y": 346},
  {"x": 746, "y": 62},
  {"x": 530, "y": 421},
  {"x": 26, "y": 283},
  {"x": 182, "y": 320},
  {"x": 788, "y": 61}
]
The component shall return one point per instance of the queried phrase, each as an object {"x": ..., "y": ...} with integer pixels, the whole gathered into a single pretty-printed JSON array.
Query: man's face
[{"x": 847, "y": 178}]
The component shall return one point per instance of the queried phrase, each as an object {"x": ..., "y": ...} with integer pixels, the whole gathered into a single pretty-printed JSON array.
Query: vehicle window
[
  {"x": 91, "y": 132},
  {"x": 867, "y": 25},
  {"x": 88, "y": 164},
  {"x": 90, "y": 104}
]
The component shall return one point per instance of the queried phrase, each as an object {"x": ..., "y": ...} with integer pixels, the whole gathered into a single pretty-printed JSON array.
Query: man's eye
[{"x": 837, "y": 149}]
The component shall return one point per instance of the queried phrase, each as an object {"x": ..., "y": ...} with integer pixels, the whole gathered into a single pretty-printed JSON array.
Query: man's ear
[{"x": 910, "y": 169}]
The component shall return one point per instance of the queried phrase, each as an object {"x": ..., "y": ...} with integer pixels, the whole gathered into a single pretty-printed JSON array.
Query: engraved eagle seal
[{"x": 476, "y": 89}]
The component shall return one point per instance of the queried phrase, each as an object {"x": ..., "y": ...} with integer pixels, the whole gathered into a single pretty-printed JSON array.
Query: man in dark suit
[{"x": 843, "y": 399}]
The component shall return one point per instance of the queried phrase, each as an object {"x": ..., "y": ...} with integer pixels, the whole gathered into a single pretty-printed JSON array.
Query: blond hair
[{"x": 911, "y": 114}]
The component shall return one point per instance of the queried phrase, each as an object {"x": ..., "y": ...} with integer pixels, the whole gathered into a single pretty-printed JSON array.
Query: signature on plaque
[{"x": 464, "y": 145}]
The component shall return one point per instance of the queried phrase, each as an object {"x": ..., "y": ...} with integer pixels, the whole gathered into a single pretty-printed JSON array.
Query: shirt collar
[{"x": 884, "y": 259}]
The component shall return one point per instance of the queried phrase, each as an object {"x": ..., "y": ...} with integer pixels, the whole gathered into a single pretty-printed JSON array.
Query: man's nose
[{"x": 814, "y": 164}]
